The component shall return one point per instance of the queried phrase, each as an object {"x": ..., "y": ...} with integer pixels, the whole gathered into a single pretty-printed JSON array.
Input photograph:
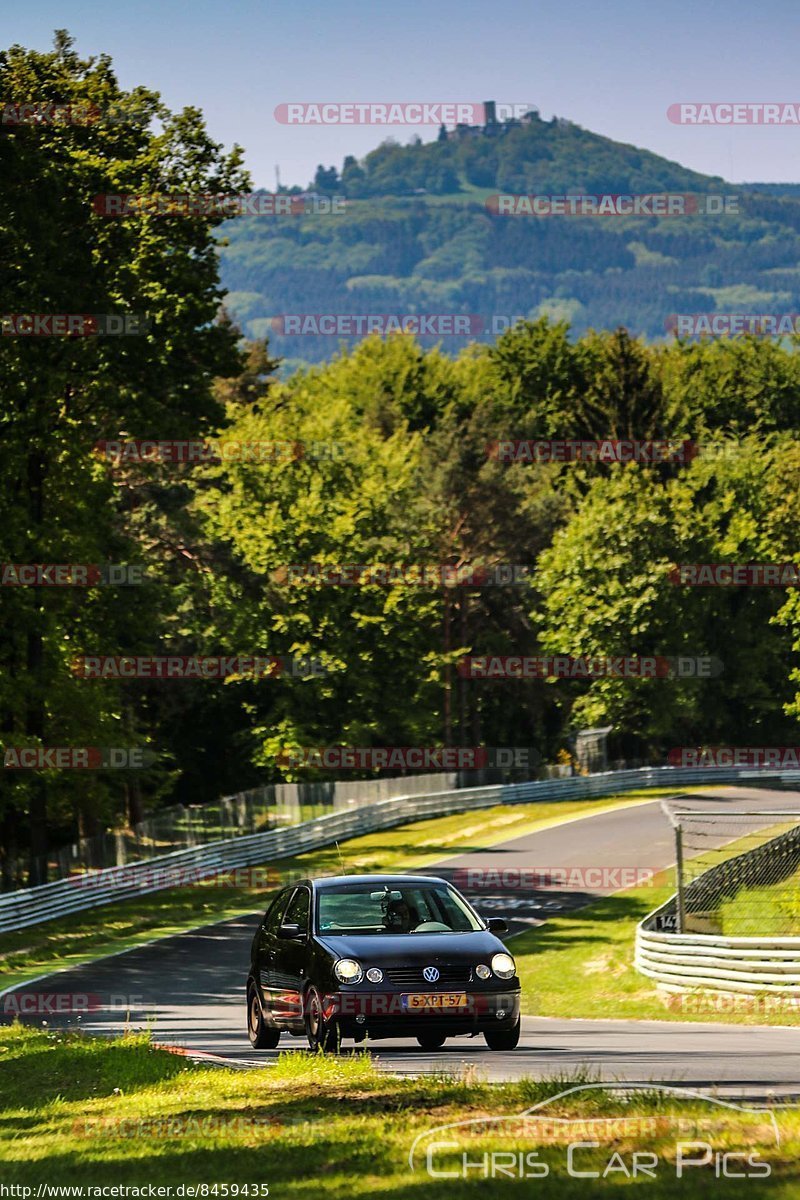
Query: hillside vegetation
[{"x": 419, "y": 235}]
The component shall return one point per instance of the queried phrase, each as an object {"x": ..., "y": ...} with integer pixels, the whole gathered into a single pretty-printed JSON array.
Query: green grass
[
  {"x": 581, "y": 965},
  {"x": 770, "y": 911},
  {"x": 81, "y": 1111},
  {"x": 29, "y": 952}
]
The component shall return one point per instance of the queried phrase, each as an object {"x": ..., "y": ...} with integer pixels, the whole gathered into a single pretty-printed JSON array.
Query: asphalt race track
[{"x": 189, "y": 988}]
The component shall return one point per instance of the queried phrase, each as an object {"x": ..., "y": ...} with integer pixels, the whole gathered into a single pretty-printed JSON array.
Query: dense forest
[{"x": 390, "y": 464}]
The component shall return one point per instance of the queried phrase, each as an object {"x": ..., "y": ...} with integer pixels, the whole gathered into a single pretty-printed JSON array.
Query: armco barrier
[
  {"x": 31, "y": 906},
  {"x": 681, "y": 962},
  {"x": 180, "y": 827}
]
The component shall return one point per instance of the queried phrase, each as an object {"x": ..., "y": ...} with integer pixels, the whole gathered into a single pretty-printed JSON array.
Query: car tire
[
  {"x": 321, "y": 1036},
  {"x": 503, "y": 1039},
  {"x": 262, "y": 1036},
  {"x": 431, "y": 1041}
]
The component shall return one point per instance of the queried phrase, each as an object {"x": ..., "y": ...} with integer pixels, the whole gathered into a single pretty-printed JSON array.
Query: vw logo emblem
[{"x": 430, "y": 974}]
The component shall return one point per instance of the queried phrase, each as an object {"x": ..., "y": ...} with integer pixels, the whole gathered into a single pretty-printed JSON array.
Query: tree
[
  {"x": 608, "y": 592},
  {"x": 353, "y": 177},
  {"x": 350, "y": 498},
  {"x": 59, "y": 395},
  {"x": 326, "y": 181}
]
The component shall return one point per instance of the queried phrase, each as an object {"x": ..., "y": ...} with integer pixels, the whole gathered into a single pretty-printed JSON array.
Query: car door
[
  {"x": 265, "y": 948},
  {"x": 290, "y": 961}
]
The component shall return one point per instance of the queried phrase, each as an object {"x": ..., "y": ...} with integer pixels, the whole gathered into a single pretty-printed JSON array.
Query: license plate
[{"x": 435, "y": 1000}]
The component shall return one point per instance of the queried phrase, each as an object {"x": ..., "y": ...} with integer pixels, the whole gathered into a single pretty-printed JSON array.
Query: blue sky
[{"x": 613, "y": 67}]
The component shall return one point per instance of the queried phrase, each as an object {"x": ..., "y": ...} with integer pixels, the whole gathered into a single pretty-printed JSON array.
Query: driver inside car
[{"x": 400, "y": 916}]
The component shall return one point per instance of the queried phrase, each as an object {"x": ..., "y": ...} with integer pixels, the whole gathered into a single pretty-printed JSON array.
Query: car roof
[{"x": 331, "y": 881}]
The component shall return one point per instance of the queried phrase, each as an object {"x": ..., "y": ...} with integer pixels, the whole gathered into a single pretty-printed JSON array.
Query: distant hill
[
  {"x": 772, "y": 189},
  {"x": 419, "y": 235}
]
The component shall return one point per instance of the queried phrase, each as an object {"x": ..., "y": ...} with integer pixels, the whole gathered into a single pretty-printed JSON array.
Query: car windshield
[{"x": 403, "y": 908}]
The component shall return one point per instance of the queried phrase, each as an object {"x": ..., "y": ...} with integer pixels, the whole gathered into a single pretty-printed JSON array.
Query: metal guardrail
[
  {"x": 31, "y": 906},
  {"x": 253, "y": 810},
  {"x": 681, "y": 961}
]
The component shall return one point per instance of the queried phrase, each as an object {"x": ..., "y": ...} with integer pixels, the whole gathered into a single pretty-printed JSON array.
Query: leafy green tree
[
  {"x": 729, "y": 387},
  {"x": 350, "y": 498},
  {"x": 59, "y": 395},
  {"x": 608, "y": 592},
  {"x": 326, "y": 180}
]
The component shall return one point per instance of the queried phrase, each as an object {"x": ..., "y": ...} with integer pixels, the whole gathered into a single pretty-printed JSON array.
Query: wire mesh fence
[
  {"x": 738, "y": 872},
  {"x": 271, "y": 806}
]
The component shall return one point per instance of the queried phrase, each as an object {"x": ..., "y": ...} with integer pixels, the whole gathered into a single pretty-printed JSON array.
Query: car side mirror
[
  {"x": 497, "y": 925},
  {"x": 290, "y": 932}
]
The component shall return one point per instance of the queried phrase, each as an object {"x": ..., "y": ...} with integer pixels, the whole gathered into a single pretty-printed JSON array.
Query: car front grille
[{"x": 412, "y": 977}]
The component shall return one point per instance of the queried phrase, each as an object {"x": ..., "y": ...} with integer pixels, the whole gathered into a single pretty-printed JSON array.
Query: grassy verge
[
  {"x": 78, "y": 1111},
  {"x": 581, "y": 965},
  {"x": 83, "y": 936},
  {"x": 769, "y": 911}
]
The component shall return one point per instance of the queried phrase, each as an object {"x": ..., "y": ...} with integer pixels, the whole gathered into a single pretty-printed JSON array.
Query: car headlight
[
  {"x": 347, "y": 970},
  {"x": 504, "y": 966},
  {"x": 374, "y": 974},
  {"x": 482, "y": 971}
]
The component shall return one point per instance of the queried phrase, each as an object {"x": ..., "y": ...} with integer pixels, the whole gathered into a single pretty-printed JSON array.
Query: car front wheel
[
  {"x": 321, "y": 1035},
  {"x": 262, "y": 1036},
  {"x": 503, "y": 1039}
]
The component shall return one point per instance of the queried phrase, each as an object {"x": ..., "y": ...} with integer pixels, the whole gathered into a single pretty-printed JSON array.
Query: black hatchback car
[{"x": 380, "y": 956}]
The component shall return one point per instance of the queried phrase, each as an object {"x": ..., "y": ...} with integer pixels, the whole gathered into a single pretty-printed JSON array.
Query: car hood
[{"x": 412, "y": 949}]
